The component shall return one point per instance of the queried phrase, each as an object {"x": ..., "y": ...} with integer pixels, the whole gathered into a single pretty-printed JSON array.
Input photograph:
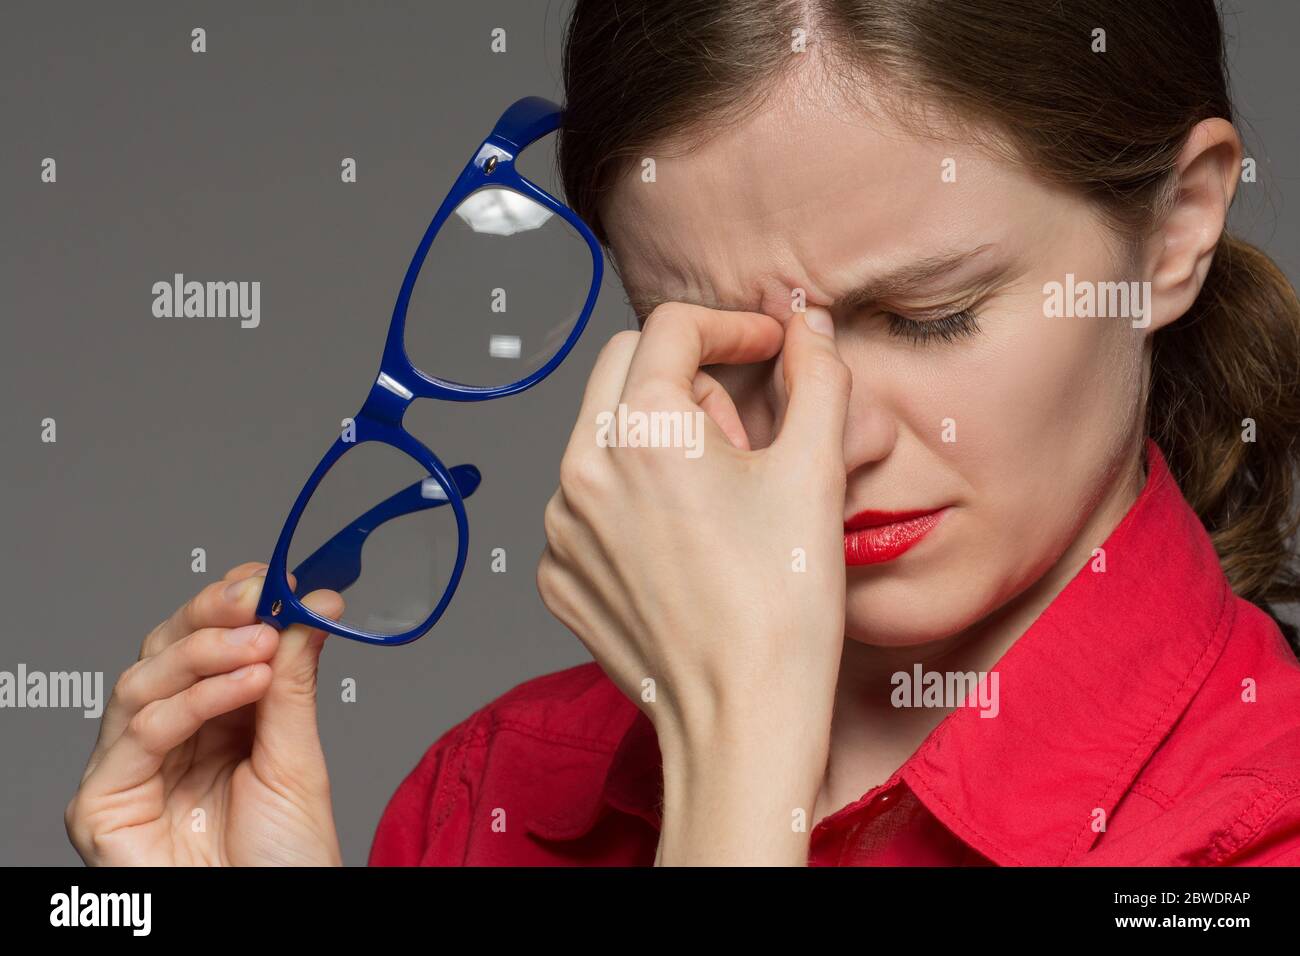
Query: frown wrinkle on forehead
[{"x": 843, "y": 206}]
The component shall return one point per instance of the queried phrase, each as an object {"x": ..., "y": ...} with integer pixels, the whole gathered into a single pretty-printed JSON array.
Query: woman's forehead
[{"x": 803, "y": 191}]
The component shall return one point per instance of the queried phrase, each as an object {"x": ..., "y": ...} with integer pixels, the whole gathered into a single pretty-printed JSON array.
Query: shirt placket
[{"x": 833, "y": 836}]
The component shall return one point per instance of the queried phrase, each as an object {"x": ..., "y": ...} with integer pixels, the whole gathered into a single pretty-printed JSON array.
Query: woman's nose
[{"x": 870, "y": 429}]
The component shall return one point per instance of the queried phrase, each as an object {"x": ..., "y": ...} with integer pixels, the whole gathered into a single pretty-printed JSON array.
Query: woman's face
[{"x": 1026, "y": 430}]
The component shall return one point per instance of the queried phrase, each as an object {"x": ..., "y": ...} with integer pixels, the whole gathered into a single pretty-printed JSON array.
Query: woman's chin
[{"x": 902, "y": 614}]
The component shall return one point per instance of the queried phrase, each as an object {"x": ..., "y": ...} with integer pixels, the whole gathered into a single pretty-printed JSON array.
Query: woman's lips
[{"x": 872, "y": 537}]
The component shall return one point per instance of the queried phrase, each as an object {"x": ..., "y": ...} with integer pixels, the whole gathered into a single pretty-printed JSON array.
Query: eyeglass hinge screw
[
  {"x": 490, "y": 165},
  {"x": 276, "y": 607}
]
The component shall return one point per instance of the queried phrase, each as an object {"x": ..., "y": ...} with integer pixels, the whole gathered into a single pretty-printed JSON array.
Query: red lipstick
[{"x": 873, "y": 537}]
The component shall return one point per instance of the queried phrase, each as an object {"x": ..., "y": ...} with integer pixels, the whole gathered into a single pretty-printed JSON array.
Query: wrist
[{"x": 744, "y": 796}]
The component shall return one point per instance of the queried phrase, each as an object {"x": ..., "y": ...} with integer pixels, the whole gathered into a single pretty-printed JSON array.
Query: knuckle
[
  {"x": 145, "y": 721},
  {"x": 551, "y": 587},
  {"x": 552, "y": 519},
  {"x": 138, "y": 726},
  {"x": 547, "y": 572},
  {"x": 78, "y": 821},
  {"x": 581, "y": 475},
  {"x": 100, "y": 844},
  {"x": 127, "y": 688},
  {"x": 72, "y": 815}
]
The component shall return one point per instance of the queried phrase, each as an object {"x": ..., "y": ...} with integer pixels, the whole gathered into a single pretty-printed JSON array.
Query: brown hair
[{"x": 643, "y": 73}]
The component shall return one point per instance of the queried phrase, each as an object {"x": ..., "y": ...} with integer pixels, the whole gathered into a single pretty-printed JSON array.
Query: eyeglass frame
[{"x": 336, "y": 564}]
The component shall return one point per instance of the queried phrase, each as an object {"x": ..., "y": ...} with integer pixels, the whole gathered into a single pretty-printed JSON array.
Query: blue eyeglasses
[{"x": 517, "y": 272}]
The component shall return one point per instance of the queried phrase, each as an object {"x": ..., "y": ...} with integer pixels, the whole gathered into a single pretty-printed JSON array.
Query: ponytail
[{"x": 1225, "y": 410}]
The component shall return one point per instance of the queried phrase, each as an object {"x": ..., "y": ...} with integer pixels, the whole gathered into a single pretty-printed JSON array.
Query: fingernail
[
  {"x": 819, "y": 320},
  {"x": 243, "y": 635},
  {"x": 241, "y": 673},
  {"x": 239, "y": 590}
]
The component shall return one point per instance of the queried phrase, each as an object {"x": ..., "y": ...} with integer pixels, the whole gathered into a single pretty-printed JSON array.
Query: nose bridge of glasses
[{"x": 388, "y": 400}]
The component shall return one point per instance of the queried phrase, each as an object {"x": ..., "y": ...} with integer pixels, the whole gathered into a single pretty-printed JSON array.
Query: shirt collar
[{"x": 1085, "y": 696}]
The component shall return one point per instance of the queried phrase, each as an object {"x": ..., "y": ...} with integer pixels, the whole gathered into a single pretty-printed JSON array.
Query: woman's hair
[{"x": 1103, "y": 113}]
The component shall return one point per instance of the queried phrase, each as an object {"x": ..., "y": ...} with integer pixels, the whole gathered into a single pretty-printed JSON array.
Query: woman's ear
[{"x": 1182, "y": 247}]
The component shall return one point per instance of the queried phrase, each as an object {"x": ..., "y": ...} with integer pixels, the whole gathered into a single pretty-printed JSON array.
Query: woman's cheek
[
  {"x": 982, "y": 408},
  {"x": 1041, "y": 434}
]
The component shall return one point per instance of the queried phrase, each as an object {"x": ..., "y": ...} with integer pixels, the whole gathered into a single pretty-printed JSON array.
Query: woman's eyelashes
[{"x": 946, "y": 328}]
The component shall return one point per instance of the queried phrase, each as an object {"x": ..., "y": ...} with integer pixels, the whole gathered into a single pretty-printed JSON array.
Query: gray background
[{"x": 175, "y": 433}]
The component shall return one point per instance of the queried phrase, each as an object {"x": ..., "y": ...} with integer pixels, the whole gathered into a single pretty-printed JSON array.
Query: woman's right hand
[{"x": 208, "y": 752}]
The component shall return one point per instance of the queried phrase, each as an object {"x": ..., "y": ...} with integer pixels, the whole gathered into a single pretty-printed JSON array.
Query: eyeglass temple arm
[
  {"x": 528, "y": 120},
  {"x": 336, "y": 564}
]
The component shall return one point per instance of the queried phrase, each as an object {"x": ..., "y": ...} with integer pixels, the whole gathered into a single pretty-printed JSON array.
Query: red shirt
[{"x": 1147, "y": 699}]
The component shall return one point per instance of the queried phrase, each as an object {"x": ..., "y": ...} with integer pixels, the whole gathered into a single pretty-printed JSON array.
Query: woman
[{"x": 977, "y": 563}]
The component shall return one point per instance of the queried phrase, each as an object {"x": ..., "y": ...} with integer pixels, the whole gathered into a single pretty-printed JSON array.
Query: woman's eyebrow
[
  {"x": 907, "y": 279},
  {"x": 897, "y": 283}
]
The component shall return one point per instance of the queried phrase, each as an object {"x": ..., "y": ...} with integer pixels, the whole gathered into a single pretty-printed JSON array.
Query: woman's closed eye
[{"x": 947, "y": 327}]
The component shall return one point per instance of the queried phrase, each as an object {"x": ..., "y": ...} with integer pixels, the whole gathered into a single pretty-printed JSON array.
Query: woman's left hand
[{"x": 708, "y": 582}]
